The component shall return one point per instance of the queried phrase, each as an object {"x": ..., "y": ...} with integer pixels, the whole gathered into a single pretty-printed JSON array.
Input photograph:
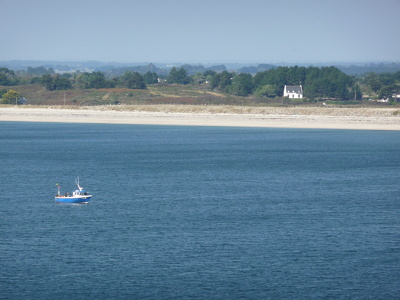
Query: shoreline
[{"x": 230, "y": 116}]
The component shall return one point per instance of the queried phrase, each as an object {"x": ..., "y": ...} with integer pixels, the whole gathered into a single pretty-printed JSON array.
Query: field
[
  {"x": 155, "y": 94},
  {"x": 160, "y": 94}
]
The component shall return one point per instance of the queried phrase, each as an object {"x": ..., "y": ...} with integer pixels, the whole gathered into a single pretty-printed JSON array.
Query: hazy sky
[{"x": 263, "y": 31}]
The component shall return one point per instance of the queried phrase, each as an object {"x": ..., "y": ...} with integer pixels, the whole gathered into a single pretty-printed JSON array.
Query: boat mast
[{"x": 77, "y": 183}]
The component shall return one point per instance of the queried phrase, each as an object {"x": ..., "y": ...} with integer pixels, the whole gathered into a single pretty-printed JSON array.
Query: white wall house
[{"x": 293, "y": 91}]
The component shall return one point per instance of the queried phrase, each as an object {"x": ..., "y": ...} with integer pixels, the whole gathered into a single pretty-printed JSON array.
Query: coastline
[{"x": 283, "y": 117}]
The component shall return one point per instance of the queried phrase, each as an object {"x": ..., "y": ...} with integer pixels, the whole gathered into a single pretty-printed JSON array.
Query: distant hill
[
  {"x": 370, "y": 67},
  {"x": 162, "y": 69},
  {"x": 255, "y": 70}
]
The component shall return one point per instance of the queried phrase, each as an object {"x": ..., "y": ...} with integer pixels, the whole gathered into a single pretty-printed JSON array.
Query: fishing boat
[{"x": 78, "y": 196}]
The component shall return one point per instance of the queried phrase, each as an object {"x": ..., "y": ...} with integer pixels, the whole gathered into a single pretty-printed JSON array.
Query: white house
[{"x": 293, "y": 91}]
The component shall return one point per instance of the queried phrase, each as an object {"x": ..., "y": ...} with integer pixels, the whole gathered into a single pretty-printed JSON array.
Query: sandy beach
[{"x": 285, "y": 117}]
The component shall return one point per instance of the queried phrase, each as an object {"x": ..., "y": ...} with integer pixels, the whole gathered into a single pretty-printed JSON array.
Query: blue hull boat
[
  {"x": 63, "y": 199},
  {"x": 78, "y": 196}
]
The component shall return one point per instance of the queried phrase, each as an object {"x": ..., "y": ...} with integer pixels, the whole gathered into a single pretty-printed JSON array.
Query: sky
[{"x": 202, "y": 31}]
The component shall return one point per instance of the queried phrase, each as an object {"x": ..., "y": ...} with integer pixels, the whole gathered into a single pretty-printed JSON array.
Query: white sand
[{"x": 292, "y": 117}]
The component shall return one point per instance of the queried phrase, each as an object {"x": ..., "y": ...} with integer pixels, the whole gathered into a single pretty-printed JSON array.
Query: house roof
[{"x": 294, "y": 89}]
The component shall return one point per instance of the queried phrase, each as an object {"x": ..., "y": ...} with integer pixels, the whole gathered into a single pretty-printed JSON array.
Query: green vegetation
[
  {"x": 132, "y": 80},
  {"x": 150, "y": 78},
  {"x": 383, "y": 85},
  {"x": 8, "y": 77},
  {"x": 178, "y": 76},
  {"x": 57, "y": 82},
  {"x": 203, "y": 87},
  {"x": 10, "y": 97}
]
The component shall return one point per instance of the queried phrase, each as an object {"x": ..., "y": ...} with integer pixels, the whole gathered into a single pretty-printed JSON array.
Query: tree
[
  {"x": 222, "y": 80},
  {"x": 198, "y": 78},
  {"x": 47, "y": 82},
  {"x": 94, "y": 80},
  {"x": 10, "y": 97},
  {"x": 178, "y": 76},
  {"x": 268, "y": 90},
  {"x": 2, "y": 92},
  {"x": 388, "y": 91},
  {"x": 133, "y": 80},
  {"x": 242, "y": 85},
  {"x": 4, "y": 79},
  {"x": 150, "y": 77},
  {"x": 373, "y": 82},
  {"x": 209, "y": 73},
  {"x": 62, "y": 82},
  {"x": 8, "y": 77},
  {"x": 55, "y": 83}
]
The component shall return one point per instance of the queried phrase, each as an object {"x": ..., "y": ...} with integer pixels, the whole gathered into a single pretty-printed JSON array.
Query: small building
[
  {"x": 22, "y": 100},
  {"x": 384, "y": 100},
  {"x": 293, "y": 91}
]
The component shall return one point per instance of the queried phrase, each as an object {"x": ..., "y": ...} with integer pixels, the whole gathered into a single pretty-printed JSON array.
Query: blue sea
[{"x": 199, "y": 213}]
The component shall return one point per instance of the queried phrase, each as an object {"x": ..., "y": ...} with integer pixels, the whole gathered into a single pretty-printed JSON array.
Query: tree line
[
  {"x": 385, "y": 85},
  {"x": 317, "y": 82},
  {"x": 325, "y": 82},
  {"x": 96, "y": 80}
]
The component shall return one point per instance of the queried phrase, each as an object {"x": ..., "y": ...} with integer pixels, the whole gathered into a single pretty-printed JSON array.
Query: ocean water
[{"x": 199, "y": 213}]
